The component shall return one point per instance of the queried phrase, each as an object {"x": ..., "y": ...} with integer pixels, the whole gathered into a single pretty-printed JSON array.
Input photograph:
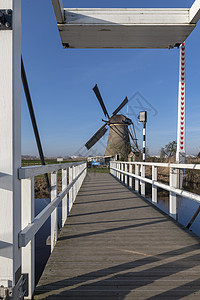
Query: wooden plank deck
[{"x": 115, "y": 245}]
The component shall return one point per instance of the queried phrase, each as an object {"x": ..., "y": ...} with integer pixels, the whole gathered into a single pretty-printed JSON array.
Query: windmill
[{"x": 119, "y": 134}]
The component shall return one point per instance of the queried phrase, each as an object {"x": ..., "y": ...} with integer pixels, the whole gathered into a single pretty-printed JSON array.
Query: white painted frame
[
  {"x": 10, "y": 147},
  {"x": 195, "y": 12}
]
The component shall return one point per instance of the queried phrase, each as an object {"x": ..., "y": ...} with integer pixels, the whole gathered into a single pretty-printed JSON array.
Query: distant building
[
  {"x": 99, "y": 160},
  {"x": 60, "y": 159}
]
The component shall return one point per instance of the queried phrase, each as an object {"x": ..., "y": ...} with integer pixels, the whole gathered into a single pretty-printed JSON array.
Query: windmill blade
[
  {"x": 96, "y": 137},
  {"x": 121, "y": 106},
  {"x": 98, "y": 95}
]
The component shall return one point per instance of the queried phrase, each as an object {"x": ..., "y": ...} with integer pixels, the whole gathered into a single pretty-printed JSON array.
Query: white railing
[
  {"x": 73, "y": 175},
  {"x": 124, "y": 171}
]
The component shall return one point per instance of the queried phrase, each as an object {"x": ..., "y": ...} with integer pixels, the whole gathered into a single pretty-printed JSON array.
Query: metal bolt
[
  {"x": 8, "y": 11},
  {"x": 7, "y": 25},
  {"x": 65, "y": 45}
]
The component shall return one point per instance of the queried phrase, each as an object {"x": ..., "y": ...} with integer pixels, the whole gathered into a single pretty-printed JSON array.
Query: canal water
[
  {"x": 42, "y": 247},
  {"x": 186, "y": 209}
]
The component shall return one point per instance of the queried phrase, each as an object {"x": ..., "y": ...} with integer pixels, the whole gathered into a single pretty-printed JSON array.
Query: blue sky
[{"x": 61, "y": 82}]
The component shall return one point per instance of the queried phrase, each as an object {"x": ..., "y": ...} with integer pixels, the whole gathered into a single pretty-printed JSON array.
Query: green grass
[
  {"x": 98, "y": 170},
  {"x": 26, "y": 163}
]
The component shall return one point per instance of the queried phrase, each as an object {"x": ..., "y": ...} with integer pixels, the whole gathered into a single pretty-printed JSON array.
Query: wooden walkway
[{"x": 116, "y": 245}]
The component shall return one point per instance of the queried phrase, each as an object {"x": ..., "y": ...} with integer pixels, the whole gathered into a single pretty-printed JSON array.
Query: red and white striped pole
[{"x": 180, "y": 154}]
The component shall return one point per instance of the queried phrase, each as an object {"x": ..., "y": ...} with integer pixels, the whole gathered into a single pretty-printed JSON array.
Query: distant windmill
[{"x": 119, "y": 134}]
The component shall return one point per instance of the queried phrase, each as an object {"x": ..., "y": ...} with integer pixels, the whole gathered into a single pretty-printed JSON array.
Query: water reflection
[
  {"x": 186, "y": 209},
  {"x": 42, "y": 250}
]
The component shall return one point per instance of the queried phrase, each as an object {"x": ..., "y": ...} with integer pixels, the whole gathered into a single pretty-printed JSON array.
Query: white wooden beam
[
  {"x": 58, "y": 9},
  {"x": 195, "y": 12},
  {"x": 10, "y": 146},
  {"x": 124, "y": 28},
  {"x": 28, "y": 214}
]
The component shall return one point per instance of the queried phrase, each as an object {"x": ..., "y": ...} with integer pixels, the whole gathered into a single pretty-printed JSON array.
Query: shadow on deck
[{"x": 115, "y": 245}]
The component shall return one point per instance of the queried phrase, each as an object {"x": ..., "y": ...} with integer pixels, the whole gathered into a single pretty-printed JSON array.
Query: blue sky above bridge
[{"x": 61, "y": 82}]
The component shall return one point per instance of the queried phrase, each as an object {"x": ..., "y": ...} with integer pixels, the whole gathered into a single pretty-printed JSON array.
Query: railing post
[
  {"x": 122, "y": 175},
  {"x": 77, "y": 184},
  {"x": 64, "y": 201},
  {"x": 28, "y": 214},
  {"x": 137, "y": 182},
  {"x": 118, "y": 173},
  {"x": 70, "y": 191},
  {"x": 142, "y": 182},
  {"x": 73, "y": 187},
  {"x": 115, "y": 170},
  {"x": 54, "y": 215},
  {"x": 173, "y": 196},
  {"x": 130, "y": 177},
  {"x": 10, "y": 147},
  {"x": 154, "y": 188},
  {"x": 126, "y": 177}
]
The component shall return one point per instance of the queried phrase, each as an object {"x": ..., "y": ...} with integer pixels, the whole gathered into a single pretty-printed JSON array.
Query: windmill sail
[
  {"x": 121, "y": 106},
  {"x": 96, "y": 137},
  {"x": 98, "y": 95}
]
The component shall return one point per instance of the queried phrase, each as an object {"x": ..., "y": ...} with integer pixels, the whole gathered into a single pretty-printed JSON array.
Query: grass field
[
  {"x": 26, "y": 163},
  {"x": 98, "y": 170}
]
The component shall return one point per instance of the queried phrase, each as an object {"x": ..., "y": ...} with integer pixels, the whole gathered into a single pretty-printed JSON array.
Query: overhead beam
[
  {"x": 195, "y": 12},
  {"x": 125, "y": 27},
  {"x": 59, "y": 11}
]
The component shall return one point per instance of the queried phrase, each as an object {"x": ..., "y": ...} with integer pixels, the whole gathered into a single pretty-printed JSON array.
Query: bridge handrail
[
  {"x": 164, "y": 165},
  {"x": 120, "y": 170},
  {"x": 32, "y": 171},
  {"x": 73, "y": 175}
]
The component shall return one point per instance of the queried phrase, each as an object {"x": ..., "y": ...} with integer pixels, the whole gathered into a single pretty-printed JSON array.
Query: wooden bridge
[
  {"x": 116, "y": 245},
  {"x": 113, "y": 243}
]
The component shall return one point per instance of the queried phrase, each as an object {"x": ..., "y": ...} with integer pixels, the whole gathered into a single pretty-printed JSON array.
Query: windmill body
[
  {"x": 118, "y": 140},
  {"x": 119, "y": 134}
]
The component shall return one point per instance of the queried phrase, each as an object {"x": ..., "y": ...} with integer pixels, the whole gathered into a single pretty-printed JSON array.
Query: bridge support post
[
  {"x": 70, "y": 192},
  {"x": 64, "y": 201},
  {"x": 28, "y": 214},
  {"x": 122, "y": 175},
  {"x": 54, "y": 215},
  {"x": 136, "y": 179},
  {"x": 10, "y": 147},
  {"x": 173, "y": 197},
  {"x": 73, "y": 188},
  {"x": 130, "y": 177},
  {"x": 143, "y": 183},
  {"x": 126, "y": 177},
  {"x": 119, "y": 174},
  {"x": 154, "y": 188},
  {"x": 115, "y": 172}
]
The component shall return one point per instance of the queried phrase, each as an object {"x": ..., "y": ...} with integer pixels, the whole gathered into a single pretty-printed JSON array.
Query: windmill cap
[{"x": 120, "y": 119}]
